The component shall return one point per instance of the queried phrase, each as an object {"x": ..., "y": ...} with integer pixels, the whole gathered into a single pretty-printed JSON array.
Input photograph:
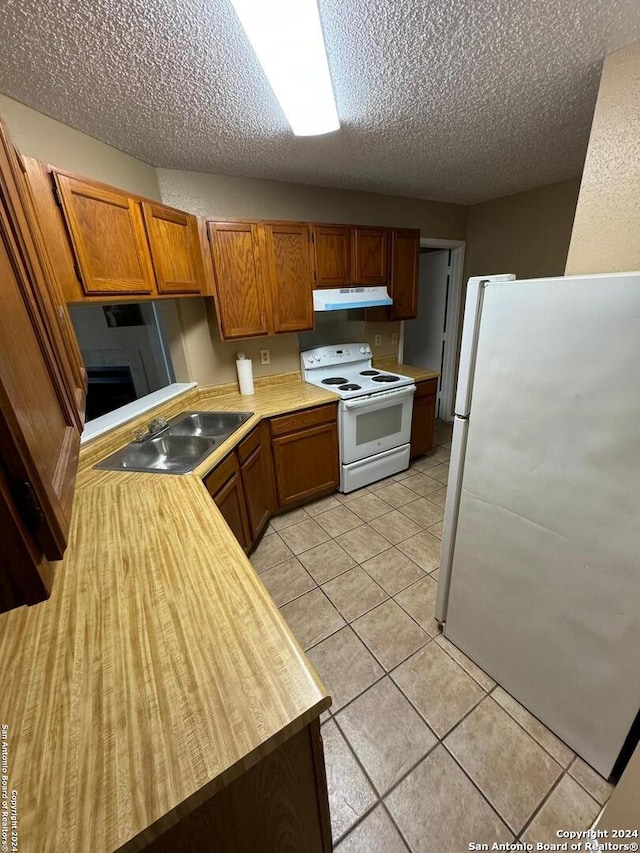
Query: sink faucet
[{"x": 154, "y": 427}]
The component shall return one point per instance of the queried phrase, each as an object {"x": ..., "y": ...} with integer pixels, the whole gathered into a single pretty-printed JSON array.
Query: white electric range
[{"x": 374, "y": 412}]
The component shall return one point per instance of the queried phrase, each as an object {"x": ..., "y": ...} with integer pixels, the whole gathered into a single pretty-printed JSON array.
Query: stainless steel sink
[
  {"x": 180, "y": 445},
  {"x": 208, "y": 423}
]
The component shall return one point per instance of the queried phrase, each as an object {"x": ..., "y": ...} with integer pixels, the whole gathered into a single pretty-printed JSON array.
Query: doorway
[{"x": 432, "y": 339}]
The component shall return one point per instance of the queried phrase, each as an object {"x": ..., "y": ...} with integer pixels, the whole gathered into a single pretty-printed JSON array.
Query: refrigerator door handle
[{"x": 451, "y": 508}]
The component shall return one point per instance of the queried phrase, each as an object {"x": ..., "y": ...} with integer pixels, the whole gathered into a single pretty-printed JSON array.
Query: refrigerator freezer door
[
  {"x": 468, "y": 344},
  {"x": 545, "y": 580},
  {"x": 454, "y": 487}
]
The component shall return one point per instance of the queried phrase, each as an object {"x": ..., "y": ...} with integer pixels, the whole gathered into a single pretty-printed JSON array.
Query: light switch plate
[
  {"x": 394, "y": 338},
  {"x": 377, "y": 340}
]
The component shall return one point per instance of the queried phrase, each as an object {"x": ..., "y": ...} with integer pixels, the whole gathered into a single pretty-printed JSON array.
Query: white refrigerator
[{"x": 540, "y": 566}]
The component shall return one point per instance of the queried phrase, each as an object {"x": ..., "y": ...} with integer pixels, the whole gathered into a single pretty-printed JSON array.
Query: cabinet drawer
[
  {"x": 221, "y": 473},
  {"x": 303, "y": 419},
  {"x": 426, "y": 388},
  {"x": 249, "y": 444}
]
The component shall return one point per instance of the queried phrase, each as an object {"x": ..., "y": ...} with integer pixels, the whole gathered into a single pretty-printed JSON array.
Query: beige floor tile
[
  {"x": 511, "y": 770},
  {"x": 326, "y": 561},
  {"x": 339, "y": 520},
  {"x": 436, "y": 530},
  {"x": 350, "y": 792},
  {"x": 322, "y": 505},
  {"x": 409, "y": 472},
  {"x": 419, "y": 600},
  {"x": 312, "y": 617},
  {"x": 423, "y": 512},
  {"x": 268, "y": 530},
  {"x": 270, "y": 552},
  {"x": 439, "y": 498},
  {"x": 393, "y": 570},
  {"x": 354, "y": 592},
  {"x": 386, "y": 733},
  {"x": 423, "y": 549},
  {"x": 443, "y": 452},
  {"x": 466, "y": 663},
  {"x": 363, "y": 543},
  {"x": 439, "y": 688},
  {"x": 304, "y": 535},
  {"x": 376, "y": 834},
  {"x": 396, "y": 494},
  {"x": 440, "y": 473},
  {"x": 440, "y": 811},
  {"x": 345, "y": 666},
  {"x": 395, "y": 526},
  {"x": 352, "y": 496},
  {"x": 422, "y": 484},
  {"x": 569, "y": 807},
  {"x": 390, "y": 633},
  {"x": 289, "y": 518},
  {"x": 425, "y": 462},
  {"x": 591, "y": 781},
  {"x": 287, "y": 581},
  {"x": 380, "y": 484},
  {"x": 547, "y": 740},
  {"x": 369, "y": 506}
]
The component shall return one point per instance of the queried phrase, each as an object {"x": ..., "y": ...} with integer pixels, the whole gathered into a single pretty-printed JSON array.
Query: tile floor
[{"x": 424, "y": 752}]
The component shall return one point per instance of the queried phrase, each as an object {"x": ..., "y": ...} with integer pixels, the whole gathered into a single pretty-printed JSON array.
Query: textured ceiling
[{"x": 456, "y": 100}]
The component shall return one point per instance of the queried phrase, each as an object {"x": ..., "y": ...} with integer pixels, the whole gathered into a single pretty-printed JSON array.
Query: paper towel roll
[{"x": 244, "y": 366}]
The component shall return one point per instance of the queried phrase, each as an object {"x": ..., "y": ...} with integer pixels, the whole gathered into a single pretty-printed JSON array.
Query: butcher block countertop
[{"x": 160, "y": 669}]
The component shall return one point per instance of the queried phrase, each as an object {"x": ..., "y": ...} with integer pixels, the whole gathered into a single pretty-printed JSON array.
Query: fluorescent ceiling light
[{"x": 286, "y": 36}]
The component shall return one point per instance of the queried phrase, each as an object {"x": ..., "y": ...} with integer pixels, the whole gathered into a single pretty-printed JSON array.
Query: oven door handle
[{"x": 382, "y": 397}]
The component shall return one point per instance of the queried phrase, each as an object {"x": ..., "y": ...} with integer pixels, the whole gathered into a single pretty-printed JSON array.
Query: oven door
[{"x": 376, "y": 423}]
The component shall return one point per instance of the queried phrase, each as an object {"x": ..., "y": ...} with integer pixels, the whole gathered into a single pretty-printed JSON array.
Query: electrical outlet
[
  {"x": 377, "y": 340},
  {"x": 265, "y": 356},
  {"x": 394, "y": 338}
]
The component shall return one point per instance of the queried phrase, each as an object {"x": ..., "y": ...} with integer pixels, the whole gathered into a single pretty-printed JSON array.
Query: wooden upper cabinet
[
  {"x": 332, "y": 254},
  {"x": 403, "y": 284},
  {"x": 240, "y": 293},
  {"x": 175, "y": 250},
  {"x": 371, "y": 260},
  {"x": 39, "y": 432},
  {"x": 108, "y": 236},
  {"x": 290, "y": 276}
]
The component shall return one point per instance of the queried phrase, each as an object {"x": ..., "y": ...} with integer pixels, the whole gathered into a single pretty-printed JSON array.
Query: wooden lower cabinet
[
  {"x": 224, "y": 484},
  {"x": 424, "y": 413},
  {"x": 306, "y": 461},
  {"x": 256, "y": 469},
  {"x": 279, "y": 805}
]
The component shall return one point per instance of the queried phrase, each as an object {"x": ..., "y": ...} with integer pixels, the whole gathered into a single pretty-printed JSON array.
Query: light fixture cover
[{"x": 286, "y": 36}]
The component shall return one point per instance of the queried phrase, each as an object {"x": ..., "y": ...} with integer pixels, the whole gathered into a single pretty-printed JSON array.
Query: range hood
[{"x": 350, "y": 297}]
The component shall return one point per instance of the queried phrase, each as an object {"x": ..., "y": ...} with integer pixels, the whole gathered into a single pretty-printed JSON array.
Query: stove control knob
[
  {"x": 317, "y": 358},
  {"x": 362, "y": 350},
  {"x": 368, "y": 350},
  {"x": 310, "y": 359}
]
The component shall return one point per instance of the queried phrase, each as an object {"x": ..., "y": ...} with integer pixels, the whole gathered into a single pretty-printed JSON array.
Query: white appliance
[
  {"x": 344, "y": 298},
  {"x": 540, "y": 566},
  {"x": 374, "y": 412}
]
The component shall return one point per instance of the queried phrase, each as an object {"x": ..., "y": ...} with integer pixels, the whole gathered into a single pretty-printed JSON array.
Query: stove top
[{"x": 346, "y": 370}]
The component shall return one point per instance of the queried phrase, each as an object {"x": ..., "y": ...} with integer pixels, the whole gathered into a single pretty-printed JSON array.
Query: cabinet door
[
  {"x": 257, "y": 479},
  {"x": 175, "y": 250},
  {"x": 306, "y": 463},
  {"x": 230, "y": 502},
  {"x": 332, "y": 245},
  {"x": 39, "y": 434},
  {"x": 108, "y": 237},
  {"x": 371, "y": 264},
  {"x": 240, "y": 301},
  {"x": 290, "y": 277},
  {"x": 422, "y": 421},
  {"x": 403, "y": 285}
]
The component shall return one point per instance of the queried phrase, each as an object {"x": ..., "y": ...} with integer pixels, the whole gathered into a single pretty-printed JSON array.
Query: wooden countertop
[
  {"x": 417, "y": 373},
  {"x": 160, "y": 668}
]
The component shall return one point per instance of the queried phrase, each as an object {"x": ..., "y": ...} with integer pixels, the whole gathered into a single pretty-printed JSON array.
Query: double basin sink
[{"x": 178, "y": 447}]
